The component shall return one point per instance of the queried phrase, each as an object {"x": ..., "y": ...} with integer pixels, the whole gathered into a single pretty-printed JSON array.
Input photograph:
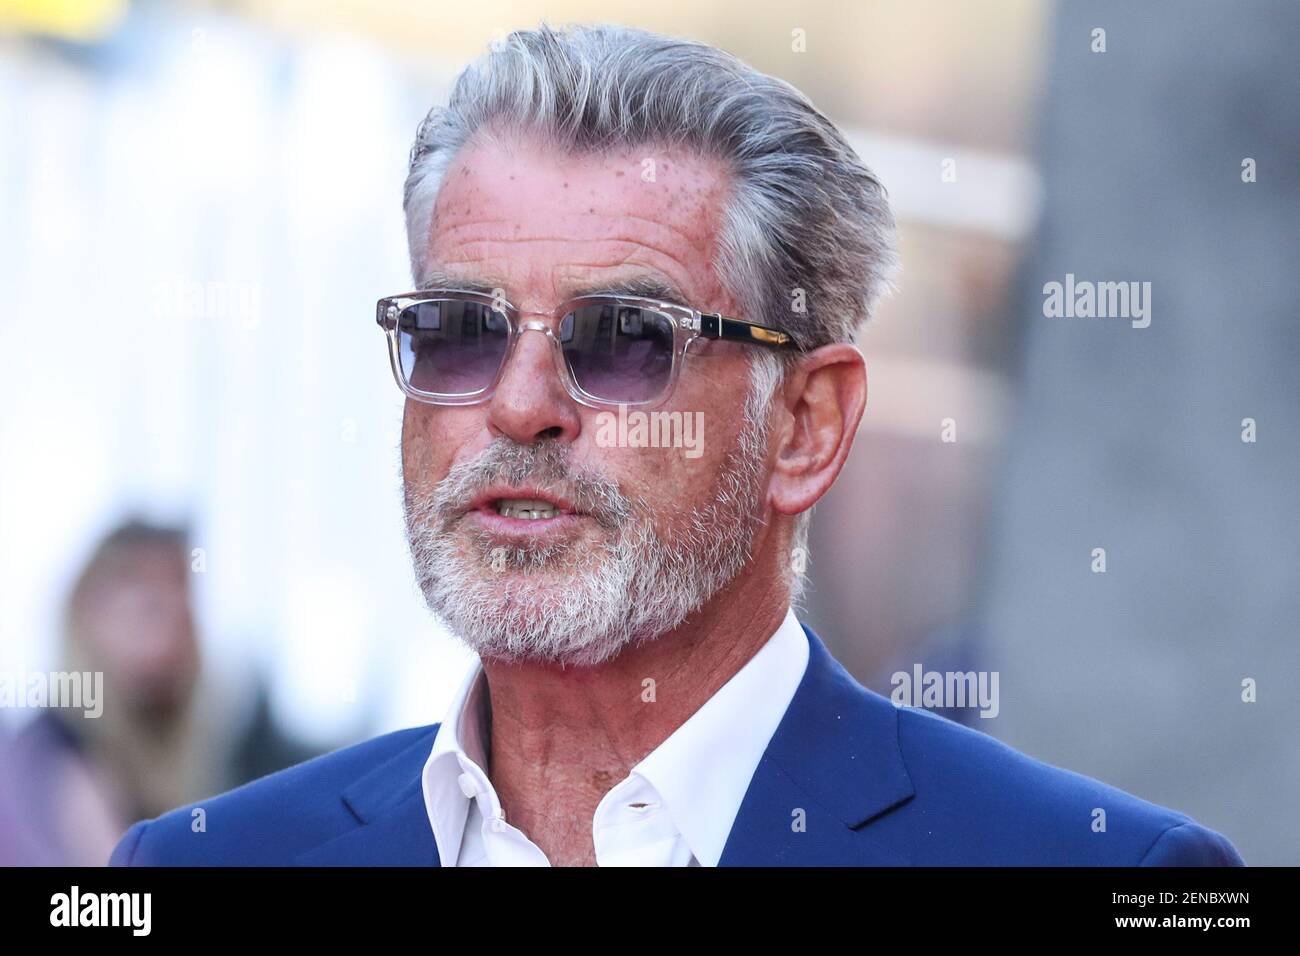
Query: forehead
[{"x": 529, "y": 216}]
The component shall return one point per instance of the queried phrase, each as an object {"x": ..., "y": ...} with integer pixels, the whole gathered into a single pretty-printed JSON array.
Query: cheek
[
  {"x": 670, "y": 481},
  {"x": 414, "y": 445},
  {"x": 431, "y": 440}
]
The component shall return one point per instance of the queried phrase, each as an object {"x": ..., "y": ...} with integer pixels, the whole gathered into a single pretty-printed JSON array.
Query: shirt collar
[
  {"x": 459, "y": 747},
  {"x": 701, "y": 771}
]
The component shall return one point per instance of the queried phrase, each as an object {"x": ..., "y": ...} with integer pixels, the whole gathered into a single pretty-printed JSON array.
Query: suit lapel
[
  {"x": 393, "y": 823},
  {"x": 831, "y": 769}
]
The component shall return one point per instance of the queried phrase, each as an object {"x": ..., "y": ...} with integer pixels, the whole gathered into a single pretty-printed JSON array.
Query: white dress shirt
[{"x": 675, "y": 808}]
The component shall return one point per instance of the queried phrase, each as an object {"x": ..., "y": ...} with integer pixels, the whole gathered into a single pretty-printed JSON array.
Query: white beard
[{"x": 575, "y": 605}]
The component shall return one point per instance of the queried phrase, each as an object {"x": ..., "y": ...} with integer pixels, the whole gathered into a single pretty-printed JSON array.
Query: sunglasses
[{"x": 450, "y": 346}]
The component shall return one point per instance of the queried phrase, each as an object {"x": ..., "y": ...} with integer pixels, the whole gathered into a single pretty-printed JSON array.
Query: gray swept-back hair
[
  {"x": 808, "y": 227},
  {"x": 807, "y": 242}
]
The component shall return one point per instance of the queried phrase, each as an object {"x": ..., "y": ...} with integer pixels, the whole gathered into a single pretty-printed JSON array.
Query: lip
[
  {"x": 483, "y": 501},
  {"x": 483, "y": 513},
  {"x": 533, "y": 529}
]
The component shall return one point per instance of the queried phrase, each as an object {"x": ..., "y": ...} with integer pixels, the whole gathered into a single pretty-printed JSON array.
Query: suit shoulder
[
  {"x": 269, "y": 820},
  {"x": 1021, "y": 810},
  {"x": 1190, "y": 844}
]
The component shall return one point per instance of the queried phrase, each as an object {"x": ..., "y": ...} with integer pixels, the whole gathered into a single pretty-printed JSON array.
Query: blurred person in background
[
  {"x": 156, "y": 744},
  {"x": 129, "y": 617}
]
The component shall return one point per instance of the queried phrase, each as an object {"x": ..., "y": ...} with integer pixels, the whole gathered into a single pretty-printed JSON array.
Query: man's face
[{"x": 642, "y": 535}]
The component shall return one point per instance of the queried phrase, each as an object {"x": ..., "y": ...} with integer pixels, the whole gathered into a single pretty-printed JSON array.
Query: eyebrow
[{"x": 645, "y": 286}]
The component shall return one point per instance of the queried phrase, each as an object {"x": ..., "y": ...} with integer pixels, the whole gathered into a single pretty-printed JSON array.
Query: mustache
[{"x": 544, "y": 465}]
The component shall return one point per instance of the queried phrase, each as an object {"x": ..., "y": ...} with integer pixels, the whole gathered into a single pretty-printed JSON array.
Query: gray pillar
[{"x": 1130, "y": 439}]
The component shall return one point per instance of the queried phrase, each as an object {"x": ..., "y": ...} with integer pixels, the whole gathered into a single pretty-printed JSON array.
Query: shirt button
[{"x": 467, "y": 785}]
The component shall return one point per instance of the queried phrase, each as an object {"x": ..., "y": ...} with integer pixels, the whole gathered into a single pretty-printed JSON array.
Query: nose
[{"x": 530, "y": 402}]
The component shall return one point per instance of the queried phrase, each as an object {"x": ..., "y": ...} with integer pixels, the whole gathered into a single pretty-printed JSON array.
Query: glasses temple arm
[{"x": 715, "y": 326}]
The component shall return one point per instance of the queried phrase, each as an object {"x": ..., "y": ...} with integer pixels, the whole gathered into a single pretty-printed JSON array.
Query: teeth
[{"x": 529, "y": 509}]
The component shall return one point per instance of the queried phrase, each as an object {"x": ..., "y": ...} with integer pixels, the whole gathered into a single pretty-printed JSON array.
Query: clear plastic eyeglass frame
[{"x": 687, "y": 324}]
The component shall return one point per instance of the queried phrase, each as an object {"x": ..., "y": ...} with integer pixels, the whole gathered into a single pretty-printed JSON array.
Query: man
[{"x": 630, "y": 376}]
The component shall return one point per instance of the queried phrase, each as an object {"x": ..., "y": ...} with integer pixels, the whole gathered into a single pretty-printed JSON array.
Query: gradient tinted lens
[
  {"x": 618, "y": 353},
  {"x": 451, "y": 346}
]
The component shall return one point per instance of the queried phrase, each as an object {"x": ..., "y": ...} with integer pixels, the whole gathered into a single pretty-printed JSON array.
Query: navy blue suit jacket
[{"x": 848, "y": 779}]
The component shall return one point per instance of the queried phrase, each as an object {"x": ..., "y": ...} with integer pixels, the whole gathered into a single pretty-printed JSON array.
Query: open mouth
[
  {"x": 518, "y": 508},
  {"x": 526, "y": 509}
]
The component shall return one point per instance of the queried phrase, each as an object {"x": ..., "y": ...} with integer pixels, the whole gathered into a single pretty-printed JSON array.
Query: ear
[{"x": 824, "y": 394}]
